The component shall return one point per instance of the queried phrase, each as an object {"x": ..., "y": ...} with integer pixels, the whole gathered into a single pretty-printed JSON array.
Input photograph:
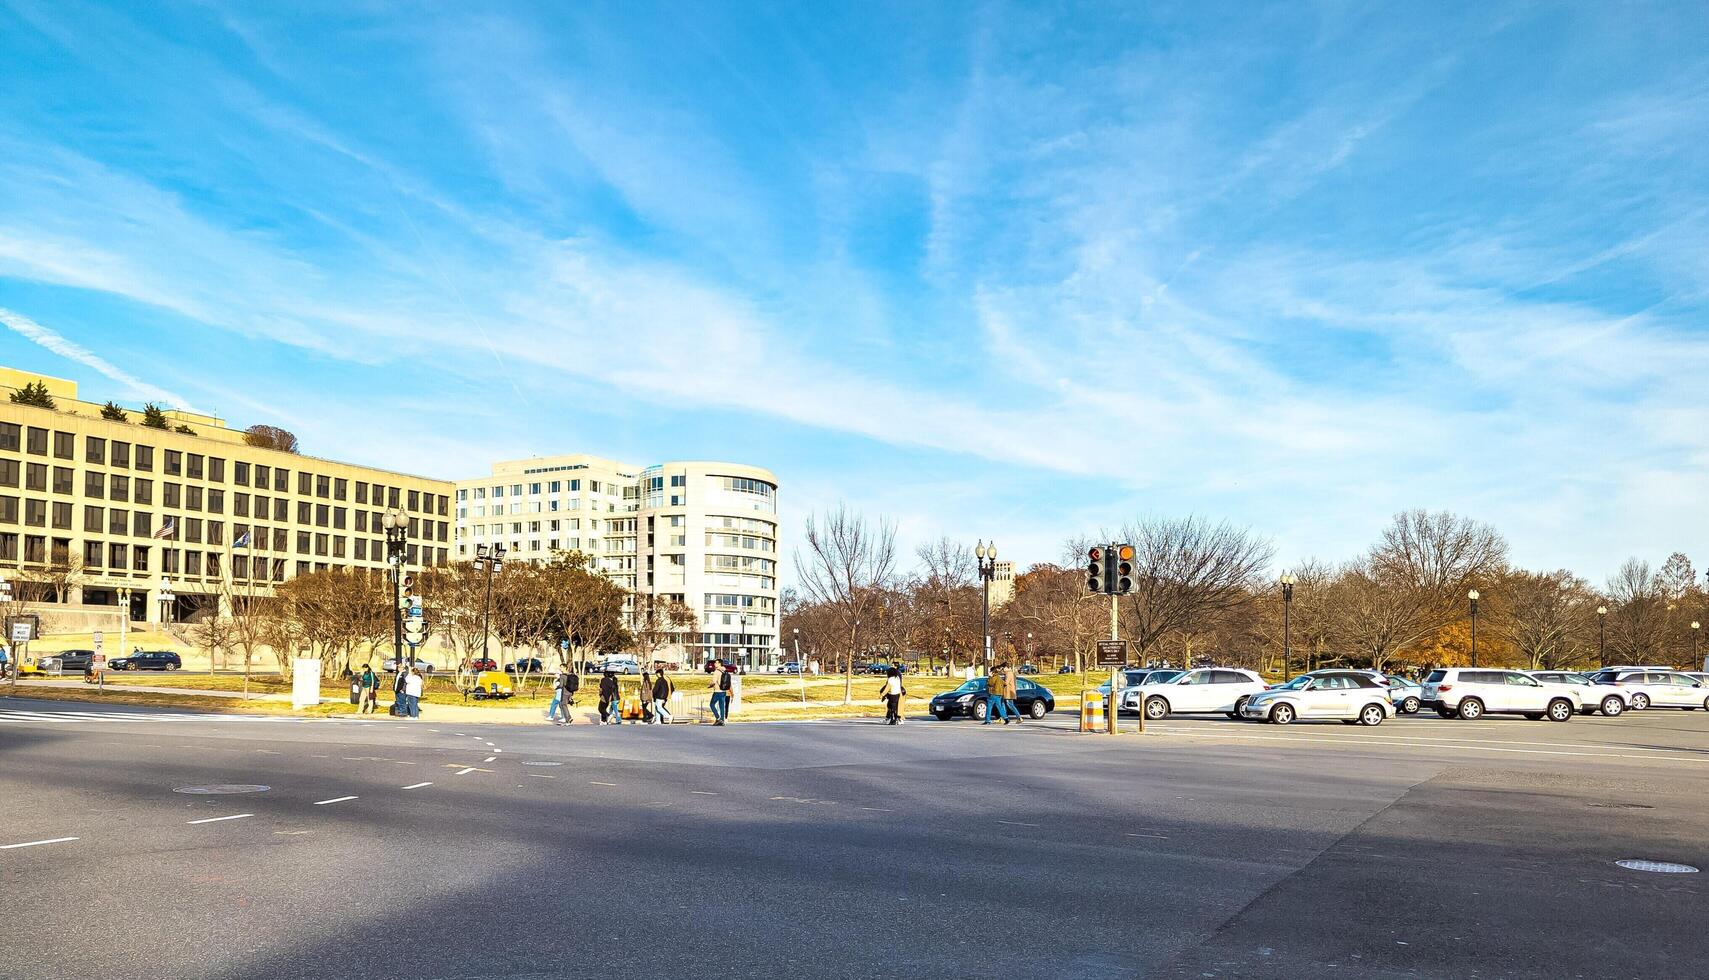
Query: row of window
[
  {"x": 534, "y": 489},
  {"x": 196, "y": 466}
]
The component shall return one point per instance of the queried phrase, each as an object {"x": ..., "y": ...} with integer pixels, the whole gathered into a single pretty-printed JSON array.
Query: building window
[
  {"x": 240, "y": 473},
  {"x": 143, "y": 491},
  {"x": 305, "y": 512},
  {"x": 94, "y": 518},
  {"x": 281, "y": 510},
  {"x": 240, "y": 504},
  {"x": 414, "y": 500},
  {"x": 174, "y": 463},
  {"x": 94, "y": 485},
  {"x": 118, "y": 556},
  {"x": 216, "y": 469},
  {"x": 8, "y": 473},
  {"x": 173, "y": 495},
  {"x": 216, "y": 501},
  {"x": 36, "y": 441},
  {"x": 281, "y": 480},
  {"x": 120, "y": 453},
  {"x": 62, "y": 515},
  {"x": 94, "y": 555},
  {"x": 303, "y": 542},
  {"x": 192, "y": 498},
  {"x": 340, "y": 487},
  {"x": 118, "y": 521},
  {"x": 119, "y": 487},
  {"x": 9, "y": 436},
  {"x": 261, "y": 476},
  {"x": 192, "y": 563},
  {"x": 65, "y": 445},
  {"x": 361, "y": 491},
  {"x": 305, "y": 484},
  {"x": 196, "y": 471},
  {"x": 323, "y": 486},
  {"x": 193, "y": 530},
  {"x": 142, "y": 524},
  {"x": 169, "y": 560},
  {"x": 62, "y": 479},
  {"x": 139, "y": 558},
  {"x": 145, "y": 458}
]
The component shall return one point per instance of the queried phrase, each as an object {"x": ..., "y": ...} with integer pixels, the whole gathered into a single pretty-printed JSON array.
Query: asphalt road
[{"x": 1208, "y": 848}]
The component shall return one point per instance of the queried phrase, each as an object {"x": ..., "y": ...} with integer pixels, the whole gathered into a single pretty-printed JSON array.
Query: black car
[
  {"x": 527, "y": 665},
  {"x": 880, "y": 667},
  {"x": 968, "y": 700},
  {"x": 147, "y": 660},
  {"x": 69, "y": 661}
]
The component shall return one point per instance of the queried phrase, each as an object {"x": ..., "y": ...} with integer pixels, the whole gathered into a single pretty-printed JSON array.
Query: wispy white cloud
[{"x": 56, "y": 343}]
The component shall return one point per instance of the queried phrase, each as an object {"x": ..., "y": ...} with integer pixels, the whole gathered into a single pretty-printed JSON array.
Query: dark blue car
[{"x": 968, "y": 700}]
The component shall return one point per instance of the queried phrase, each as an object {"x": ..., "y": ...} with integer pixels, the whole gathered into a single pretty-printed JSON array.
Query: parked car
[
  {"x": 1655, "y": 687},
  {"x": 727, "y": 666},
  {"x": 390, "y": 665},
  {"x": 1065, "y": 669},
  {"x": 1352, "y": 697},
  {"x": 1470, "y": 694},
  {"x": 1405, "y": 694},
  {"x": 527, "y": 665},
  {"x": 1590, "y": 698},
  {"x": 790, "y": 667},
  {"x": 1208, "y": 690},
  {"x": 482, "y": 663},
  {"x": 1381, "y": 678},
  {"x": 1028, "y": 668},
  {"x": 147, "y": 660},
  {"x": 67, "y": 661},
  {"x": 618, "y": 665},
  {"x": 968, "y": 700},
  {"x": 1127, "y": 701},
  {"x": 1130, "y": 677}
]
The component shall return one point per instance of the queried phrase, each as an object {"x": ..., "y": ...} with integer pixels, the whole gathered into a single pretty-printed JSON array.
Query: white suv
[
  {"x": 1209, "y": 690},
  {"x": 1471, "y": 694},
  {"x": 1590, "y": 698},
  {"x": 1653, "y": 687}
]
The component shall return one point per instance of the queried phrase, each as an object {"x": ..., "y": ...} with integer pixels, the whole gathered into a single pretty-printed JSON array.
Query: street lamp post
[
  {"x": 397, "y": 536},
  {"x": 489, "y": 559},
  {"x": 167, "y": 598},
  {"x": 1473, "y": 596},
  {"x": 1288, "y": 581},
  {"x": 1696, "y": 661},
  {"x": 1602, "y": 636},
  {"x": 125, "y": 619},
  {"x": 742, "y": 640},
  {"x": 987, "y": 559}
]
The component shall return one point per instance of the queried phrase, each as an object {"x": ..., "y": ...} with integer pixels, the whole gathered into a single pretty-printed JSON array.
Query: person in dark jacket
[
  {"x": 661, "y": 698},
  {"x": 610, "y": 705},
  {"x": 568, "y": 684},
  {"x": 892, "y": 694}
]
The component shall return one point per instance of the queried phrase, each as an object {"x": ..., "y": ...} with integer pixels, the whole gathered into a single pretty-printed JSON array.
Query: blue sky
[{"x": 1020, "y": 271}]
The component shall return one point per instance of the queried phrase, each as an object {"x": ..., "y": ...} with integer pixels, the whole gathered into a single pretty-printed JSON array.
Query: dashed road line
[
  {"x": 538, "y": 775},
  {"x": 465, "y": 770},
  {"x": 235, "y": 816},
  {"x": 37, "y": 843},
  {"x": 339, "y": 799},
  {"x": 1016, "y": 823},
  {"x": 1158, "y": 836},
  {"x": 489, "y": 758},
  {"x": 417, "y": 785},
  {"x": 701, "y": 792}
]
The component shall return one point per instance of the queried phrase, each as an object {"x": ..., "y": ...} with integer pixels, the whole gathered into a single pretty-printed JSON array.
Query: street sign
[
  {"x": 21, "y": 631},
  {"x": 99, "y": 661},
  {"x": 97, "y": 645},
  {"x": 1112, "y": 653}
]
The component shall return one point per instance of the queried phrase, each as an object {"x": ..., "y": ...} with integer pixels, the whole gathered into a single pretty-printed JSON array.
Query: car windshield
[
  {"x": 976, "y": 684},
  {"x": 1162, "y": 676},
  {"x": 1297, "y": 684}
]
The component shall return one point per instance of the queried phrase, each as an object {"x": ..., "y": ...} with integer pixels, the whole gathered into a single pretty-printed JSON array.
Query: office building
[
  {"x": 101, "y": 512},
  {"x": 700, "y": 533}
]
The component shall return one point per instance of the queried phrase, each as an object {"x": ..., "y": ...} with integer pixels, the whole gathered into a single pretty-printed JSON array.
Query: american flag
[{"x": 168, "y": 529}]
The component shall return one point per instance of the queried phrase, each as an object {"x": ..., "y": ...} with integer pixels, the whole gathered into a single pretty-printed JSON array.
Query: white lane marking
[
  {"x": 489, "y": 758},
  {"x": 598, "y": 783},
  {"x": 417, "y": 785},
  {"x": 1158, "y": 836},
  {"x": 498, "y": 750},
  {"x": 701, "y": 792},
  {"x": 33, "y": 843},
  {"x": 340, "y": 799},
  {"x": 235, "y": 816},
  {"x": 459, "y": 734},
  {"x": 1014, "y": 823},
  {"x": 538, "y": 775},
  {"x": 465, "y": 770},
  {"x": 878, "y": 809},
  {"x": 289, "y": 833}
]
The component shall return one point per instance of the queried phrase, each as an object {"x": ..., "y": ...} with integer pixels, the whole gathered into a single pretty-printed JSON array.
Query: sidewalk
[{"x": 80, "y": 685}]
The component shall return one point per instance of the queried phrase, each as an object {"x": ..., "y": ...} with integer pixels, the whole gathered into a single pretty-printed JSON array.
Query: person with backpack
[
  {"x": 720, "y": 693},
  {"x": 645, "y": 696},
  {"x": 564, "y": 696},
  {"x": 892, "y": 694},
  {"x": 661, "y": 694},
  {"x": 610, "y": 704}
]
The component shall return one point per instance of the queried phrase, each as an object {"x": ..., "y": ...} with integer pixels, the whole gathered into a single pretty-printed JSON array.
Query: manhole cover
[
  {"x": 1658, "y": 867},
  {"x": 222, "y": 789},
  {"x": 1622, "y": 806},
  {"x": 542, "y": 763}
]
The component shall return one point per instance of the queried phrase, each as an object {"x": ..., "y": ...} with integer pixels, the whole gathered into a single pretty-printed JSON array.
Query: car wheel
[
  {"x": 980, "y": 710},
  {"x": 1612, "y": 706},
  {"x": 1640, "y": 701},
  {"x": 1409, "y": 706},
  {"x": 1282, "y": 714},
  {"x": 1471, "y": 709},
  {"x": 1372, "y": 715},
  {"x": 1036, "y": 710},
  {"x": 1156, "y": 709},
  {"x": 1560, "y": 709}
]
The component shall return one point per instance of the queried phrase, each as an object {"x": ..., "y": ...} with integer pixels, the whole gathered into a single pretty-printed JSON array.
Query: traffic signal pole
[{"x": 1112, "y": 709}]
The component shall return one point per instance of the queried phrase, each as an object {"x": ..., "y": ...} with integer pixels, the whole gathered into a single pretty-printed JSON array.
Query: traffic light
[
  {"x": 408, "y": 584},
  {"x": 1124, "y": 569},
  {"x": 1095, "y": 570}
]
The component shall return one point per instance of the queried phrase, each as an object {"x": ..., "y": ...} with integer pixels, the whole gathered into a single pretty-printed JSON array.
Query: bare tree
[
  {"x": 1187, "y": 572},
  {"x": 270, "y": 437},
  {"x": 1637, "y": 617},
  {"x": 1545, "y": 616},
  {"x": 847, "y": 561}
]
